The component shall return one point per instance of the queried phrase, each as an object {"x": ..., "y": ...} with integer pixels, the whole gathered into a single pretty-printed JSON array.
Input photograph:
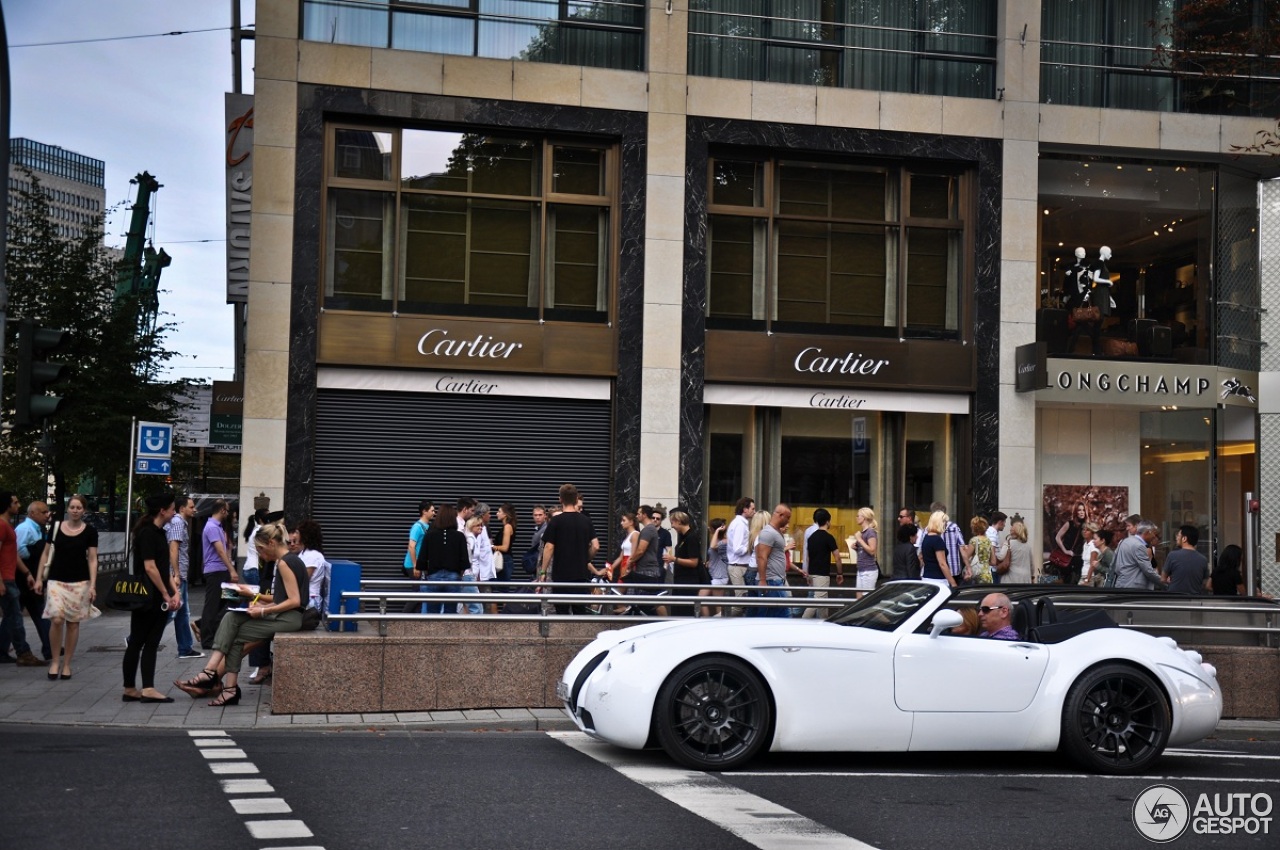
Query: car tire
[
  {"x": 1115, "y": 720},
  {"x": 713, "y": 713}
]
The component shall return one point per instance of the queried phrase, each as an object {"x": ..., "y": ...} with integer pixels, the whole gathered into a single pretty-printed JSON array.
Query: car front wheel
[
  {"x": 1115, "y": 720},
  {"x": 713, "y": 714}
]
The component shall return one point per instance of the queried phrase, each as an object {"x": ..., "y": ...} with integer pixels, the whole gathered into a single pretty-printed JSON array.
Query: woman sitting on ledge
[{"x": 265, "y": 616}]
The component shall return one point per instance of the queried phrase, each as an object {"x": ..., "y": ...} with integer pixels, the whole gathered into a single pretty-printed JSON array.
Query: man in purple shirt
[{"x": 995, "y": 617}]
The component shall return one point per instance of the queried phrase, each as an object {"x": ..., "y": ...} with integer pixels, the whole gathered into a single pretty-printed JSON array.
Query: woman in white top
[
  {"x": 311, "y": 542},
  {"x": 621, "y": 564}
]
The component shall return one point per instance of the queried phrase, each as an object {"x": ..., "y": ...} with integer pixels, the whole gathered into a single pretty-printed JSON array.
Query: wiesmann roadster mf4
[{"x": 886, "y": 674}]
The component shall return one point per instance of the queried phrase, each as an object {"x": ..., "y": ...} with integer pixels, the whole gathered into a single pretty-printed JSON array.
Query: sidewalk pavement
[{"x": 92, "y": 698}]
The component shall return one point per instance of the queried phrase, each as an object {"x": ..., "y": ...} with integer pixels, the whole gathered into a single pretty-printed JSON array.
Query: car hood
[{"x": 766, "y": 627}]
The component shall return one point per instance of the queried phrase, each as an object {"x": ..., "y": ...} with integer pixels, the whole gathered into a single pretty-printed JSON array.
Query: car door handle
[{"x": 1025, "y": 646}]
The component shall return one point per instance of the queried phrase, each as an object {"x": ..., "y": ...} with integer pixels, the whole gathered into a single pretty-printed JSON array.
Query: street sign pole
[{"x": 128, "y": 502}]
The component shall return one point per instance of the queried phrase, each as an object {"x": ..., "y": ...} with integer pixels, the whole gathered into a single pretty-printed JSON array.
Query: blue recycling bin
[{"x": 344, "y": 577}]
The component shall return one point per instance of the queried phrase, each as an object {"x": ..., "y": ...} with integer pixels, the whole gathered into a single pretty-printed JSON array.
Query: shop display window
[{"x": 1126, "y": 259}]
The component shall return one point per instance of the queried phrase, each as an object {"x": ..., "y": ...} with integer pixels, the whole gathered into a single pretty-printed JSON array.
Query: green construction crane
[{"x": 142, "y": 264}]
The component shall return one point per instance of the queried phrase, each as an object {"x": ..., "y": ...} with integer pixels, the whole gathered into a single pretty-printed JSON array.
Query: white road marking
[
  {"x": 278, "y": 829},
  {"x": 207, "y": 733},
  {"x": 215, "y": 746},
  {"x": 261, "y": 806},
  {"x": 247, "y": 786},
  {"x": 760, "y": 822},
  {"x": 232, "y": 767}
]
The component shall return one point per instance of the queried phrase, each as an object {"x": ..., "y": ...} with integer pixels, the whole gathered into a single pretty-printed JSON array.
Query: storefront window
[
  {"x": 1148, "y": 230},
  {"x": 829, "y": 459},
  {"x": 438, "y": 222},
  {"x": 812, "y": 247},
  {"x": 1176, "y": 488}
]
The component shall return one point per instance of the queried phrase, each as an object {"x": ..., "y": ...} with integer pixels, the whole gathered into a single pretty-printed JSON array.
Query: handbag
[
  {"x": 1060, "y": 559},
  {"x": 129, "y": 593},
  {"x": 310, "y": 619},
  {"x": 1086, "y": 314}
]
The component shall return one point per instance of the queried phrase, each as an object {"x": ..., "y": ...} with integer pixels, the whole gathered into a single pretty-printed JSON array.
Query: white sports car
[{"x": 714, "y": 693}]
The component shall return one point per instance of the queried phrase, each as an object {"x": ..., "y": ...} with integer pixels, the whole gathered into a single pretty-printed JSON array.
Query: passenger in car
[
  {"x": 996, "y": 618},
  {"x": 970, "y": 625}
]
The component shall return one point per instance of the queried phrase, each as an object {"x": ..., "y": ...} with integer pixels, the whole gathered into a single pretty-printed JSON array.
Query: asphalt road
[{"x": 363, "y": 788}]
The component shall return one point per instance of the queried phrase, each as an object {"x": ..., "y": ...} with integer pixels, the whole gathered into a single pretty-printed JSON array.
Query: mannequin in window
[{"x": 1076, "y": 291}]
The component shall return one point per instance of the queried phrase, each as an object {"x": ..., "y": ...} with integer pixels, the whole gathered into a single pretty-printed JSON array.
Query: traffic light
[{"x": 31, "y": 405}]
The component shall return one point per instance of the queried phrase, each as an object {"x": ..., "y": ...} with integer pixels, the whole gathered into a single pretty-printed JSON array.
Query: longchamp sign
[{"x": 1148, "y": 384}]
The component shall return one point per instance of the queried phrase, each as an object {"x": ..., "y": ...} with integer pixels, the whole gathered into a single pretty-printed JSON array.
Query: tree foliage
[
  {"x": 1226, "y": 53},
  {"x": 114, "y": 359}
]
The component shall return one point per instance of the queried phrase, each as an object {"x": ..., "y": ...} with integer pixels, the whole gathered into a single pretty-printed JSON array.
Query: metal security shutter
[{"x": 378, "y": 454}]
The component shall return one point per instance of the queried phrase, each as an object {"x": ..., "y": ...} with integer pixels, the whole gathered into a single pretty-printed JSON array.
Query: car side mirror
[{"x": 943, "y": 620}]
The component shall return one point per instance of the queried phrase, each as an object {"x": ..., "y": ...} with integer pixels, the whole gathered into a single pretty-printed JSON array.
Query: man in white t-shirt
[{"x": 738, "y": 548}]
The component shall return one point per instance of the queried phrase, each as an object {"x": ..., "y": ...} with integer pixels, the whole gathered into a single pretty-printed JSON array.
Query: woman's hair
[
  {"x": 1018, "y": 530},
  {"x": 1080, "y": 506},
  {"x": 937, "y": 522},
  {"x": 271, "y": 534},
  {"x": 446, "y": 517},
  {"x": 259, "y": 518},
  {"x": 509, "y": 513},
  {"x": 78, "y": 498},
  {"x": 970, "y": 626},
  {"x": 868, "y": 514},
  {"x": 1105, "y": 535},
  {"x": 978, "y": 525},
  {"x": 716, "y": 523},
  {"x": 1228, "y": 559},
  {"x": 310, "y": 535},
  {"x": 682, "y": 518},
  {"x": 627, "y": 515},
  {"x": 906, "y": 532},
  {"x": 155, "y": 504},
  {"x": 474, "y": 523},
  {"x": 1091, "y": 527},
  {"x": 758, "y": 522}
]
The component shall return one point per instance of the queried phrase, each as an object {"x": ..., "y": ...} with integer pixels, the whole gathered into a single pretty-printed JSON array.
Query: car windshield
[{"x": 888, "y": 607}]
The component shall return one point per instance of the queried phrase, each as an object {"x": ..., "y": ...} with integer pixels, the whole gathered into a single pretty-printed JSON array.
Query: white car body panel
[{"x": 903, "y": 690}]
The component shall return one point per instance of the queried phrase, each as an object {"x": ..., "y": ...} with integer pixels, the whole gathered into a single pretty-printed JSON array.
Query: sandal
[
  {"x": 229, "y": 696},
  {"x": 206, "y": 683},
  {"x": 262, "y": 677}
]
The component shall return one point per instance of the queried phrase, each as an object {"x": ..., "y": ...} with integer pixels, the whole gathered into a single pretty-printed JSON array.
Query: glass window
[
  {"x": 362, "y": 155},
  {"x": 945, "y": 47},
  {"x": 1156, "y": 222},
  {"x": 831, "y": 253},
  {"x": 599, "y": 33},
  {"x": 476, "y": 234},
  {"x": 1207, "y": 57}
]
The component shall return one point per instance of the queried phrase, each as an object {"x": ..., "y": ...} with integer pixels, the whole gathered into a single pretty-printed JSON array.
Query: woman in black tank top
[{"x": 264, "y": 616}]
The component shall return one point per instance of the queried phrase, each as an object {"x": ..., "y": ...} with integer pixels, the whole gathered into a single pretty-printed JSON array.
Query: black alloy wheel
[
  {"x": 1115, "y": 720},
  {"x": 713, "y": 713}
]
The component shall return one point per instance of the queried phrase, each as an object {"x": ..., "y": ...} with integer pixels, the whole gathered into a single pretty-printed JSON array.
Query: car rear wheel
[
  {"x": 1115, "y": 720},
  {"x": 713, "y": 714}
]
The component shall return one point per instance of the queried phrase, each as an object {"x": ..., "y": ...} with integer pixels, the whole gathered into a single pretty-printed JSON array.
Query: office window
[
  {"x": 817, "y": 246},
  {"x": 598, "y": 33},
  {"x": 1205, "y": 56},
  {"x": 921, "y": 46},
  {"x": 442, "y": 222}
]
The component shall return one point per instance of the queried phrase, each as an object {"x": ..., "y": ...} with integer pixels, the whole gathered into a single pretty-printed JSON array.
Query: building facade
[
  {"x": 75, "y": 184},
  {"x": 683, "y": 252}
]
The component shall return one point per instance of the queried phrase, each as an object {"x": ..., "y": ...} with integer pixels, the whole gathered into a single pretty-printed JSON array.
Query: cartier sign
[
  {"x": 438, "y": 343},
  {"x": 842, "y": 362},
  {"x": 354, "y": 339}
]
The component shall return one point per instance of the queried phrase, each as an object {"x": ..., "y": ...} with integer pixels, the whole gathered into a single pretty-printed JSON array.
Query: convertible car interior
[{"x": 1037, "y": 620}]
